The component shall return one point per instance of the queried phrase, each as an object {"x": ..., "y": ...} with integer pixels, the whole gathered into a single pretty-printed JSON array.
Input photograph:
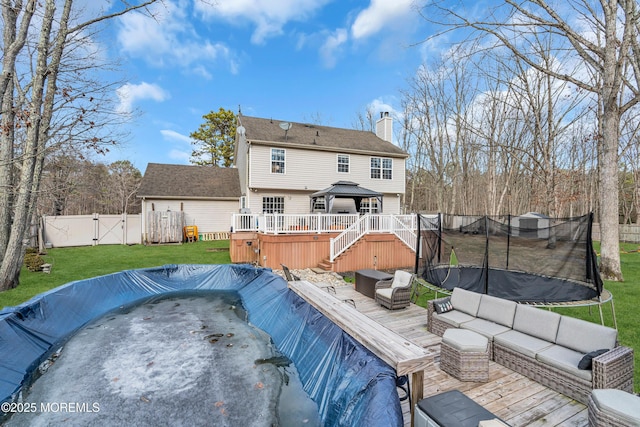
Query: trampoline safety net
[{"x": 529, "y": 258}]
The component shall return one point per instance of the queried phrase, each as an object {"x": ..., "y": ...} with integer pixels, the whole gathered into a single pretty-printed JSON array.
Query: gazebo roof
[{"x": 346, "y": 189}]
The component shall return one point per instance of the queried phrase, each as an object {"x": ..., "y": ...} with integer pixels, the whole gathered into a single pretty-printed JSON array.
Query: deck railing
[
  {"x": 351, "y": 226},
  {"x": 292, "y": 223},
  {"x": 405, "y": 231},
  {"x": 403, "y": 226},
  {"x": 349, "y": 236}
]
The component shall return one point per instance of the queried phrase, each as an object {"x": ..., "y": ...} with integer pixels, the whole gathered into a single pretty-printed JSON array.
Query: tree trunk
[
  {"x": 13, "y": 41},
  {"x": 609, "y": 244}
]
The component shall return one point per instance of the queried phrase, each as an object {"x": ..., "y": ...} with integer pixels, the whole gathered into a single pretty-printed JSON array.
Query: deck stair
[
  {"x": 372, "y": 224},
  {"x": 327, "y": 265}
]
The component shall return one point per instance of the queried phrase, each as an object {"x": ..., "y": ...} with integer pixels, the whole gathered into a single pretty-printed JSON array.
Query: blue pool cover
[{"x": 350, "y": 385}]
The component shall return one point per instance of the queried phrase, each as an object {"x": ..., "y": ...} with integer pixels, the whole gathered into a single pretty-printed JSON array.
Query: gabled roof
[
  {"x": 316, "y": 137},
  {"x": 189, "y": 182}
]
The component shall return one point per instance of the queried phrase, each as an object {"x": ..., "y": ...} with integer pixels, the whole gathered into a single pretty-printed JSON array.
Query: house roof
[
  {"x": 189, "y": 182},
  {"x": 316, "y": 137}
]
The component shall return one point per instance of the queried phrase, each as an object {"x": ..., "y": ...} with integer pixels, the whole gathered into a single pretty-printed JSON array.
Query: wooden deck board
[
  {"x": 403, "y": 355},
  {"x": 511, "y": 396}
]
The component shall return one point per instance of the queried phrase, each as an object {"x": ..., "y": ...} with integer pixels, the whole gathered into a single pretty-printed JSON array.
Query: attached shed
[{"x": 206, "y": 195}]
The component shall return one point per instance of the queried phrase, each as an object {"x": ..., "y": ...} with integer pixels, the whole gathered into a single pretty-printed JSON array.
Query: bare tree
[
  {"x": 32, "y": 68},
  {"x": 125, "y": 181},
  {"x": 603, "y": 37},
  {"x": 365, "y": 120}
]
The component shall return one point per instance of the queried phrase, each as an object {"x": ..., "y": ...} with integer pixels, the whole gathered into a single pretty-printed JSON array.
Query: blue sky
[{"x": 293, "y": 60}]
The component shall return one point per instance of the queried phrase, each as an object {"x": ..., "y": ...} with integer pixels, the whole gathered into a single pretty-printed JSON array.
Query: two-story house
[
  {"x": 281, "y": 164},
  {"x": 305, "y": 171}
]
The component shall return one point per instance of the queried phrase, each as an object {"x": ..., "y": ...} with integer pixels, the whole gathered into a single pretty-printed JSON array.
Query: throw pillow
[
  {"x": 443, "y": 306},
  {"x": 587, "y": 360}
]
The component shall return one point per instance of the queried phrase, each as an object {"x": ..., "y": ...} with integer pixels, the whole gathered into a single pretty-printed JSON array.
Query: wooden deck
[{"x": 513, "y": 397}]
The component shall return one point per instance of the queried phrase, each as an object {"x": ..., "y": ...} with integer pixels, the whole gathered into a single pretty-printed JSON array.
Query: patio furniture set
[
  {"x": 569, "y": 355},
  {"x": 577, "y": 358}
]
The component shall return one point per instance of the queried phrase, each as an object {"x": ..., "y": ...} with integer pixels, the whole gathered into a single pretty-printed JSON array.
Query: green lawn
[{"x": 71, "y": 264}]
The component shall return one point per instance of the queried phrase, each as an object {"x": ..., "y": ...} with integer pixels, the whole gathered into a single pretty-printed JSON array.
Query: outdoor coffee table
[{"x": 452, "y": 409}]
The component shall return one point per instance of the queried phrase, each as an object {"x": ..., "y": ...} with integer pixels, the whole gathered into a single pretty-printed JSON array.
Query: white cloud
[
  {"x": 380, "y": 14},
  {"x": 332, "y": 46},
  {"x": 178, "y": 155},
  {"x": 169, "y": 38},
  {"x": 379, "y": 105},
  {"x": 129, "y": 94},
  {"x": 180, "y": 143},
  {"x": 202, "y": 71},
  {"x": 171, "y": 135},
  {"x": 268, "y": 16}
]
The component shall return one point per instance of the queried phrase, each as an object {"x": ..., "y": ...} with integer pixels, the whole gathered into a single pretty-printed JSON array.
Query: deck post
[{"x": 417, "y": 391}]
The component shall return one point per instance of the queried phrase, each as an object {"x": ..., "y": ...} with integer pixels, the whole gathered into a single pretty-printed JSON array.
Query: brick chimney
[{"x": 384, "y": 127}]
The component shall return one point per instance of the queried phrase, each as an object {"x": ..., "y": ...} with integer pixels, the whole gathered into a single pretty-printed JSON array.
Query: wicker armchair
[{"x": 396, "y": 293}]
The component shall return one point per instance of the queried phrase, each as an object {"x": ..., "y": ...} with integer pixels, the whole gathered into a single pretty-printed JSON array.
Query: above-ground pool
[{"x": 349, "y": 385}]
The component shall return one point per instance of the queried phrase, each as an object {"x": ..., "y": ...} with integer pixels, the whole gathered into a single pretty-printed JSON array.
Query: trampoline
[{"x": 528, "y": 259}]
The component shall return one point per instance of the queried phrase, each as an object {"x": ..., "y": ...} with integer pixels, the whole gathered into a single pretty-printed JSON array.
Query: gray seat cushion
[
  {"x": 385, "y": 292},
  {"x": 485, "y": 327},
  {"x": 620, "y": 403},
  {"x": 454, "y": 318},
  {"x": 584, "y": 336},
  {"x": 465, "y": 341},
  {"x": 497, "y": 310},
  {"x": 465, "y": 301},
  {"x": 536, "y": 322},
  {"x": 565, "y": 359},
  {"x": 522, "y": 343}
]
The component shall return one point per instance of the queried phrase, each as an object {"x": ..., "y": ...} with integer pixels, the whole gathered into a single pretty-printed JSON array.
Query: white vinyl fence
[{"x": 91, "y": 230}]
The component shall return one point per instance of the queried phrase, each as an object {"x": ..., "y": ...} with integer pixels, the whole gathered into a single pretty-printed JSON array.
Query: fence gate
[
  {"x": 109, "y": 229},
  {"x": 164, "y": 226}
]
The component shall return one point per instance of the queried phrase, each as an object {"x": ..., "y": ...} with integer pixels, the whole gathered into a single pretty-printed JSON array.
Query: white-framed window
[
  {"x": 369, "y": 206},
  {"x": 273, "y": 204},
  {"x": 277, "y": 160},
  {"x": 343, "y": 163},
  {"x": 381, "y": 168}
]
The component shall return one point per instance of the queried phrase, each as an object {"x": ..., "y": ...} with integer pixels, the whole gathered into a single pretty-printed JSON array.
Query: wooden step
[{"x": 325, "y": 265}]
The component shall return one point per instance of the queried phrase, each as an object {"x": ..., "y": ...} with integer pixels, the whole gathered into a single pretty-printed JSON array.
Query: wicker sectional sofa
[{"x": 542, "y": 345}]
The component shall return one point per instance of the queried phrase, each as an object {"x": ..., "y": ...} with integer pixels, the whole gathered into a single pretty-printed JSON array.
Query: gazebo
[{"x": 345, "y": 190}]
